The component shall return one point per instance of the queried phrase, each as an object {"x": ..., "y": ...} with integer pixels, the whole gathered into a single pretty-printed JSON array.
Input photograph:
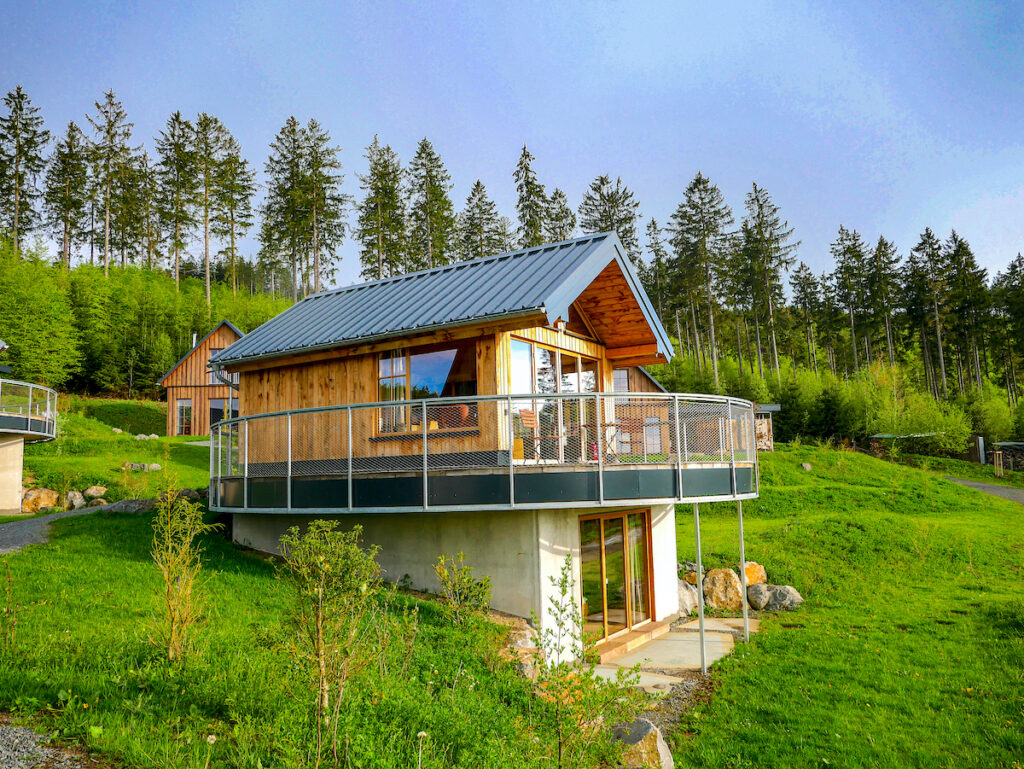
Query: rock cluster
[
  {"x": 42, "y": 499},
  {"x": 141, "y": 467},
  {"x": 723, "y": 590},
  {"x": 645, "y": 746},
  {"x": 143, "y": 437}
]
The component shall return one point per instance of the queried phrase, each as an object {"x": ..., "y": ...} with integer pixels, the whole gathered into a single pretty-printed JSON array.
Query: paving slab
[
  {"x": 678, "y": 650},
  {"x": 721, "y": 624},
  {"x": 647, "y": 679}
]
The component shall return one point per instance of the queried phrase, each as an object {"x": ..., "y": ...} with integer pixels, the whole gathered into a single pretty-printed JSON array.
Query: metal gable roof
[{"x": 545, "y": 279}]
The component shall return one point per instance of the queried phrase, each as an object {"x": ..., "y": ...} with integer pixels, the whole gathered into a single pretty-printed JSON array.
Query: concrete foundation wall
[
  {"x": 12, "y": 450},
  {"x": 520, "y": 550}
]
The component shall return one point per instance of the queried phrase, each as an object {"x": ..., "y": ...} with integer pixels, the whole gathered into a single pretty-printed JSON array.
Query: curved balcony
[
  {"x": 486, "y": 452},
  {"x": 27, "y": 409}
]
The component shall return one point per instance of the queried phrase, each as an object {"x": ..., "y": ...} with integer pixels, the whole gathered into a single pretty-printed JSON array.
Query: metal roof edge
[{"x": 224, "y": 322}]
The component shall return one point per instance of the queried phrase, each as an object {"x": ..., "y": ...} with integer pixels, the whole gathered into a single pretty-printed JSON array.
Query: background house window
[
  {"x": 184, "y": 411},
  {"x": 434, "y": 371},
  {"x": 620, "y": 380},
  {"x": 217, "y": 409}
]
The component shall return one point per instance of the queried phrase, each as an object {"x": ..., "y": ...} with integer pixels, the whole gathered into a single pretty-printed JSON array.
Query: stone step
[{"x": 627, "y": 642}]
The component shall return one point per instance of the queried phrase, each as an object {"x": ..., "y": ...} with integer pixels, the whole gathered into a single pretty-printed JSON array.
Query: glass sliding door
[{"x": 615, "y": 564}]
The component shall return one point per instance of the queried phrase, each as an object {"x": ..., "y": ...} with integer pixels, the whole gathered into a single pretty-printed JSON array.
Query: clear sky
[{"x": 884, "y": 117}]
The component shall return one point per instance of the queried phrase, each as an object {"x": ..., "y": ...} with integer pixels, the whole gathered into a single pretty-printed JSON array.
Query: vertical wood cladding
[{"x": 190, "y": 380}]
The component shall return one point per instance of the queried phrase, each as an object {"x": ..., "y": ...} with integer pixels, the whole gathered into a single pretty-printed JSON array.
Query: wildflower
[
  {"x": 210, "y": 739},
  {"x": 421, "y": 735}
]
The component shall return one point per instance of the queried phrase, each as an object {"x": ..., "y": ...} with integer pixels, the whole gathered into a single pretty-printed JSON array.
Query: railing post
[
  {"x": 245, "y": 468},
  {"x": 679, "y": 449},
  {"x": 219, "y": 464},
  {"x": 511, "y": 452},
  {"x": 732, "y": 452},
  {"x": 721, "y": 440},
  {"x": 700, "y": 589},
  {"x": 28, "y": 423},
  {"x": 288, "y": 475},
  {"x": 350, "y": 495},
  {"x": 599, "y": 417},
  {"x": 209, "y": 485},
  {"x": 743, "y": 573},
  {"x": 423, "y": 418}
]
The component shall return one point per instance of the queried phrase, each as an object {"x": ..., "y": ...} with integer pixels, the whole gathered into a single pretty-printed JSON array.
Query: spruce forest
[{"x": 117, "y": 251}]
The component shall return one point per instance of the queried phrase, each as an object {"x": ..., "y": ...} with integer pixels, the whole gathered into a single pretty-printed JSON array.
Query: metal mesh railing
[
  {"x": 514, "y": 434},
  {"x": 34, "y": 404}
]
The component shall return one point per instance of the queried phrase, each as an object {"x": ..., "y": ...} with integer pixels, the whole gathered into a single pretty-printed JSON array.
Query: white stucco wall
[
  {"x": 12, "y": 448},
  {"x": 521, "y": 550}
]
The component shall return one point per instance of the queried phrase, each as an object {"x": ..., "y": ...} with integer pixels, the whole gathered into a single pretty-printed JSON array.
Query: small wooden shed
[{"x": 196, "y": 397}]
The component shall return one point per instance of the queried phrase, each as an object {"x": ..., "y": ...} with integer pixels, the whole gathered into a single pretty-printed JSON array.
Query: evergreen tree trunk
[
  {"x": 177, "y": 257},
  {"x": 739, "y": 346},
  {"x": 696, "y": 338},
  {"x": 711, "y": 331},
  {"x": 679, "y": 334},
  {"x": 206, "y": 238},
  {"x": 938, "y": 337},
  {"x": 106, "y": 230},
  {"x": 757, "y": 333},
  {"x": 889, "y": 340},
  {"x": 316, "y": 254},
  {"x": 853, "y": 339},
  {"x": 234, "y": 258}
]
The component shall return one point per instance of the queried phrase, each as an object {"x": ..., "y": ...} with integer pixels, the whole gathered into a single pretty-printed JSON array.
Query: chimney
[{"x": 195, "y": 337}]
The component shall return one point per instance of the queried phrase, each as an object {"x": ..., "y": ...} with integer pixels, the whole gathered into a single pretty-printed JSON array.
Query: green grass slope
[
  {"x": 909, "y": 649},
  {"x": 87, "y": 451}
]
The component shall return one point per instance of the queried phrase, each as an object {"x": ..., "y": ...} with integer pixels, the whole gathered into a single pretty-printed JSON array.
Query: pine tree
[
  {"x": 149, "y": 235},
  {"x": 655, "y": 274},
  {"x": 209, "y": 142},
  {"x": 928, "y": 257},
  {"x": 432, "y": 224},
  {"x": 22, "y": 142},
  {"x": 176, "y": 185},
  {"x": 850, "y": 279},
  {"x": 283, "y": 230},
  {"x": 232, "y": 210},
  {"x": 111, "y": 154},
  {"x": 969, "y": 304},
  {"x": 883, "y": 286},
  {"x": 767, "y": 243},
  {"x": 380, "y": 227},
  {"x": 481, "y": 232},
  {"x": 323, "y": 199},
  {"x": 611, "y": 208},
  {"x": 559, "y": 221},
  {"x": 702, "y": 239},
  {"x": 66, "y": 193},
  {"x": 531, "y": 202},
  {"x": 807, "y": 298}
]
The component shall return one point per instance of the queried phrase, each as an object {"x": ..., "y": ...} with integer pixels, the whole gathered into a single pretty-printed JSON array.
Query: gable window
[{"x": 433, "y": 371}]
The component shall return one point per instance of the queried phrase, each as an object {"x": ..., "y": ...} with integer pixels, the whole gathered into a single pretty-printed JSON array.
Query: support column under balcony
[{"x": 12, "y": 453}]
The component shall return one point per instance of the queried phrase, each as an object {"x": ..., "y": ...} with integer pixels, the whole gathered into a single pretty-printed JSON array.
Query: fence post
[
  {"x": 426, "y": 490},
  {"x": 288, "y": 477},
  {"x": 700, "y": 590},
  {"x": 743, "y": 573},
  {"x": 349, "y": 457},
  {"x": 511, "y": 451},
  {"x": 679, "y": 450},
  {"x": 732, "y": 452},
  {"x": 245, "y": 467},
  {"x": 599, "y": 417},
  {"x": 209, "y": 486}
]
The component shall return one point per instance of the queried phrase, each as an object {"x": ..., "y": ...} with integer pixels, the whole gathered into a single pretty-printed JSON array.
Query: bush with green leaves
[{"x": 463, "y": 594}]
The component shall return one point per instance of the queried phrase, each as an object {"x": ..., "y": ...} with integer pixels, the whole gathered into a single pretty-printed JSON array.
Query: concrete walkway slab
[
  {"x": 721, "y": 625},
  {"x": 678, "y": 651}
]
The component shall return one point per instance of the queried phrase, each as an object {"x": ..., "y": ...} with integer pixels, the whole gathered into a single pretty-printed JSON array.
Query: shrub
[
  {"x": 463, "y": 594},
  {"x": 177, "y": 554}
]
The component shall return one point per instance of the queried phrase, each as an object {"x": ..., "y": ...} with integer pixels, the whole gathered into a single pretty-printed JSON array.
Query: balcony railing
[
  {"x": 518, "y": 451},
  {"x": 28, "y": 409}
]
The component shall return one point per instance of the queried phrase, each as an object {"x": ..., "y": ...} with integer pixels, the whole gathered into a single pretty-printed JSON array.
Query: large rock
[
  {"x": 688, "y": 598},
  {"x": 689, "y": 569},
  {"x": 132, "y": 506},
  {"x": 154, "y": 467},
  {"x": 755, "y": 573},
  {"x": 93, "y": 492},
  {"x": 806, "y": 466},
  {"x": 74, "y": 500},
  {"x": 774, "y": 597},
  {"x": 98, "y": 502},
  {"x": 118, "y": 431},
  {"x": 35, "y": 500},
  {"x": 190, "y": 494},
  {"x": 645, "y": 747},
  {"x": 722, "y": 590}
]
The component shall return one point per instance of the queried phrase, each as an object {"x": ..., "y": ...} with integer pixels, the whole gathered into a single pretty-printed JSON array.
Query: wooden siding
[
  {"x": 613, "y": 312},
  {"x": 190, "y": 380}
]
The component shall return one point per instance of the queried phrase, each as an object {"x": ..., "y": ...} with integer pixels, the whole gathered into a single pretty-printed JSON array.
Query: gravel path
[
  {"x": 1006, "y": 492},
  {"x": 35, "y": 531},
  {"x": 24, "y": 748}
]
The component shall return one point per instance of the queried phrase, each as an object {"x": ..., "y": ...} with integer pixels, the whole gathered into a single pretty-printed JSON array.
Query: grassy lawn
[
  {"x": 87, "y": 451},
  {"x": 909, "y": 650}
]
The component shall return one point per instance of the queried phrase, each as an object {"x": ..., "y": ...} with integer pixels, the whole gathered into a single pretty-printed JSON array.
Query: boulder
[
  {"x": 153, "y": 436},
  {"x": 774, "y": 597},
  {"x": 806, "y": 466},
  {"x": 132, "y": 506},
  {"x": 722, "y": 590},
  {"x": 74, "y": 500},
  {"x": 141, "y": 437},
  {"x": 98, "y": 502},
  {"x": 154, "y": 467},
  {"x": 645, "y": 747},
  {"x": 95, "y": 491},
  {"x": 523, "y": 638},
  {"x": 35, "y": 500},
  {"x": 688, "y": 598},
  {"x": 118, "y": 431},
  {"x": 690, "y": 572},
  {"x": 756, "y": 573}
]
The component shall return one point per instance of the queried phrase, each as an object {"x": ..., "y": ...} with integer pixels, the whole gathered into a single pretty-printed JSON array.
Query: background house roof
[
  {"x": 213, "y": 330},
  {"x": 546, "y": 279}
]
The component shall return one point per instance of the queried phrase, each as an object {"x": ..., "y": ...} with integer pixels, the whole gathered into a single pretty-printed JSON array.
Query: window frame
[
  {"x": 407, "y": 354},
  {"x": 177, "y": 416}
]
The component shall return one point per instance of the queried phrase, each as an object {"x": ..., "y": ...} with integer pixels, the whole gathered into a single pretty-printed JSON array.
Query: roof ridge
[{"x": 456, "y": 265}]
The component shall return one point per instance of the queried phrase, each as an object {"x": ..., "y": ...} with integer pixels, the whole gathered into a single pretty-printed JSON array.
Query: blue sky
[{"x": 883, "y": 117}]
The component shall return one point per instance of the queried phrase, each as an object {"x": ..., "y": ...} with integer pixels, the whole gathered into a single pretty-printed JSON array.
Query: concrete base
[
  {"x": 12, "y": 452},
  {"x": 520, "y": 550},
  {"x": 678, "y": 651}
]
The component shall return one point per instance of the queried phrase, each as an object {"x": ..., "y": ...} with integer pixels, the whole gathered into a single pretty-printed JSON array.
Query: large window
[
  {"x": 435, "y": 371},
  {"x": 184, "y": 412}
]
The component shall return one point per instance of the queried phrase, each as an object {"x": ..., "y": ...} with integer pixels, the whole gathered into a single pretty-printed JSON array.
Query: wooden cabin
[
  {"x": 196, "y": 396},
  {"x": 472, "y": 408}
]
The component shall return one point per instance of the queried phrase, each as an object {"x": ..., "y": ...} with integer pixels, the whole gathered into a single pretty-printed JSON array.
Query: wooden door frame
[{"x": 648, "y": 567}]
